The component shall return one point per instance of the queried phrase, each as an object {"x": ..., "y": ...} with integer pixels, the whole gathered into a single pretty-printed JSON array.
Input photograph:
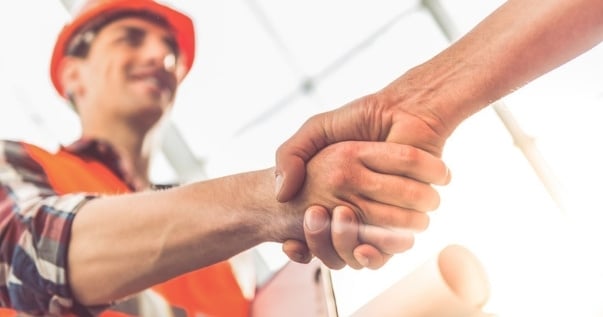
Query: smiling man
[{"x": 83, "y": 230}]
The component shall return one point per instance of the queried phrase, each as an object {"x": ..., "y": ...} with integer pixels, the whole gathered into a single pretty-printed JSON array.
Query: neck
[{"x": 133, "y": 147}]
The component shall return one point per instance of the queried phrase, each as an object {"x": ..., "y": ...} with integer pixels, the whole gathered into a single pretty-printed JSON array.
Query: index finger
[{"x": 409, "y": 161}]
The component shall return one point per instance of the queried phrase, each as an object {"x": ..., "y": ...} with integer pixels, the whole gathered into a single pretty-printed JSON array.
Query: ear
[
  {"x": 179, "y": 74},
  {"x": 70, "y": 74}
]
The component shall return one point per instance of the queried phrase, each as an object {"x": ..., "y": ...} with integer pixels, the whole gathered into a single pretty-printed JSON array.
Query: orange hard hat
[{"x": 181, "y": 25}]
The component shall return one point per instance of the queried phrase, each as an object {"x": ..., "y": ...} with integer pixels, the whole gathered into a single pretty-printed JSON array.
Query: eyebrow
[
  {"x": 132, "y": 29},
  {"x": 169, "y": 40}
]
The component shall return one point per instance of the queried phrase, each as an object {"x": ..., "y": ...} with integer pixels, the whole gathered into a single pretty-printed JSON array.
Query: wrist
[
  {"x": 415, "y": 117},
  {"x": 425, "y": 95},
  {"x": 273, "y": 220}
]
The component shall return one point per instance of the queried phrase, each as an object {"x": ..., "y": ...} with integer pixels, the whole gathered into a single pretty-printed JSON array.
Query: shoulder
[
  {"x": 18, "y": 152},
  {"x": 21, "y": 160},
  {"x": 10, "y": 151}
]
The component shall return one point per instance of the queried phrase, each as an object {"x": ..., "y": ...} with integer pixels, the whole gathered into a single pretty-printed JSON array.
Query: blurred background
[{"x": 527, "y": 173}]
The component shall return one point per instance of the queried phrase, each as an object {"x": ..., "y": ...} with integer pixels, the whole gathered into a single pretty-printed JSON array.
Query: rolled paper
[{"x": 452, "y": 284}]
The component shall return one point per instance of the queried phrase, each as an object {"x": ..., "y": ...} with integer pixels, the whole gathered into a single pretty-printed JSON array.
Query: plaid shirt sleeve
[{"x": 35, "y": 225}]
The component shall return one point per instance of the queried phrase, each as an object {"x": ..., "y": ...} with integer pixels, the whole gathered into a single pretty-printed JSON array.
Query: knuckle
[
  {"x": 410, "y": 155},
  {"x": 339, "y": 178},
  {"x": 413, "y": 194}
]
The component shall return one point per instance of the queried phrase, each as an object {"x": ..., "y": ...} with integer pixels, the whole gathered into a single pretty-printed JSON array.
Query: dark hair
[{"x": 79, "y": 44}]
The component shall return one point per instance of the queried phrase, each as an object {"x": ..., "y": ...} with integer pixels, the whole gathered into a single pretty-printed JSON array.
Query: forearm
[
  {"x": 124, "y": 244},
  {"x": 520, "y": 41},
  {"x": 514, "y": 45}
]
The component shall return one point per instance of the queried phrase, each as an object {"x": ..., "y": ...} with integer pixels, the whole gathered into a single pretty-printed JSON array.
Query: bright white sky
[{"x": 540, "y": 261}]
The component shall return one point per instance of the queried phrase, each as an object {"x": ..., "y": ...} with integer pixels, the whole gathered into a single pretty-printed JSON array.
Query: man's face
[{"x": 131, "y": 69}]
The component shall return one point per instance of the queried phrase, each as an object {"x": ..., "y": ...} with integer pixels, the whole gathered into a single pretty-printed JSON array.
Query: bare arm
[
  {"x": 123, "y": 244},
  {"x": 517, "y": 43}
]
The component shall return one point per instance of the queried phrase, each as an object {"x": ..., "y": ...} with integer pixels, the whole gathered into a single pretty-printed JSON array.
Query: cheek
[
  {"x": 94, "y": 83},
  {"x": 107, "y": 78},
  {"x": 109, "y": 73}
]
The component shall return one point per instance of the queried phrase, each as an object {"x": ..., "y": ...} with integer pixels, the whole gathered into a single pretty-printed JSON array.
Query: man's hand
[
  {"x": 377, "y": 117},
  {"x": 386, "y": 185},
  {"x": 371, "y": 118},
  {"x": 424, "y": 105},
  {"x": 348, "y": 242}
]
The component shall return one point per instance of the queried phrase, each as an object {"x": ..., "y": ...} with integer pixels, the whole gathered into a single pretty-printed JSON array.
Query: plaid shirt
[
  {"x": 40, "y": 194},
  {"x": 35, "y": 225}
]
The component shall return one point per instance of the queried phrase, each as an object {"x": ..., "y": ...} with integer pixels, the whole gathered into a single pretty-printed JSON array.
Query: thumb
[
  {"x": 345, "y": 123},
  {"x": 289, "y": 175},
  {"x": 292, "y": 156}
]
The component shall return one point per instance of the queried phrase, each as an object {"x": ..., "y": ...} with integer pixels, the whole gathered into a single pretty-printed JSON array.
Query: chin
[{"x": 147, "y": 119}]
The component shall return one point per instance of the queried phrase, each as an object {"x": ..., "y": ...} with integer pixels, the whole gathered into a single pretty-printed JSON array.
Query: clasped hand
[
  {"x": 369, "y": 199},
  {"x": 384, "y": 201}
]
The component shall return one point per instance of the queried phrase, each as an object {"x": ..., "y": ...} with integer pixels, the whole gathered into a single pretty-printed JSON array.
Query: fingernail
[
  {"x": 364, "y": 261},
  {"x": 316, "y": 220},
  {"x": 298, "y": 257},
  {"x": 278, "y": 183},
  {"x": 345, "y": 220}
]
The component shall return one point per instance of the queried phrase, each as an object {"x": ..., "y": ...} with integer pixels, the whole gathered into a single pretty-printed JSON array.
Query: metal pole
[
  {"x": 182, "y": 159},
  {"x": 523, "y": 141}
]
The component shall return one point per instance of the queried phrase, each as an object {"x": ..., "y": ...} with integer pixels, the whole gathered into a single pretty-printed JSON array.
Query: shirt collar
[{"x": 104, "y": 152}]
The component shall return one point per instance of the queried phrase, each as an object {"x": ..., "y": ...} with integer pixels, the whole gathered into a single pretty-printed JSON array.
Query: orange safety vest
[{"x": 211, "y": 291}]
